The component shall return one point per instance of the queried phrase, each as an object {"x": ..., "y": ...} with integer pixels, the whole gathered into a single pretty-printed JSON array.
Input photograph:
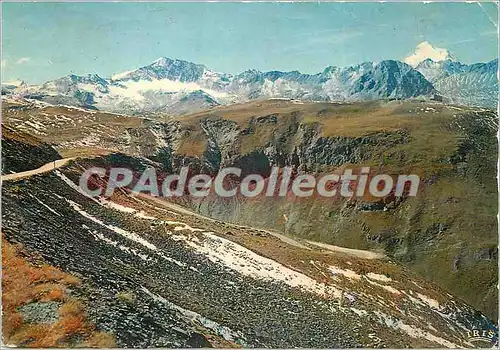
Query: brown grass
[
  {"x": 76, "y": 125},
  {"x": 71, "y": 308},
  {"x": 100, "y": 340},
  {"x": 49, "y": 292},
  {"x": 336, "y": 120},
  {"x": 24, "y": 283},
  {"x": 10, "y": 133},
  {"x": 193, "y": 146}
]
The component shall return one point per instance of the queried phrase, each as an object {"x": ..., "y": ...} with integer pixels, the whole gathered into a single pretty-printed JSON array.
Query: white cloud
[
  {"x": 23, "y": 60},
  {"x": 133, "y": 89},
  {"x": 425, "y": 50},
  {"x": 16, "y": 83}
]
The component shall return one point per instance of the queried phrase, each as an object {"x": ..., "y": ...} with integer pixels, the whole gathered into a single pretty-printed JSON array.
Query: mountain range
[{"x": 178, "y": 87}]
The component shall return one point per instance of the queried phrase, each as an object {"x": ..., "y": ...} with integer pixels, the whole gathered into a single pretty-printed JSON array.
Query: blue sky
[{"x": 43, "y": 41}]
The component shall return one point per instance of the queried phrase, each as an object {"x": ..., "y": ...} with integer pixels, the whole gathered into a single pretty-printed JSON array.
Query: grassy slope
[{"x": 21, "y": 151}]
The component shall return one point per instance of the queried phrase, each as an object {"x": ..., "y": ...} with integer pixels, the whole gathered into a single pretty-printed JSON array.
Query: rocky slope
[
  {"x": 450, "y": 225},
  {"x": 22, "y": 152},
  {"x": 39, "y": 306},
  {"x": 471, "y": 85},
  {"x": 155, "y": 275}
]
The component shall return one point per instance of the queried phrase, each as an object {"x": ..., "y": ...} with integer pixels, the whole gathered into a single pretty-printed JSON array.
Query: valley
[
  {"x": 273, "y": 272},
  {"x": 255, "y": 174},
  {"x": 152, "y": 276}
]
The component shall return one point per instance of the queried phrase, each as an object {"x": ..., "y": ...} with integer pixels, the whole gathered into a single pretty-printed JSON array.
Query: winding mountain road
[
  {"x": 43, "y": 169},
  {"x": 365, "y": 254}
]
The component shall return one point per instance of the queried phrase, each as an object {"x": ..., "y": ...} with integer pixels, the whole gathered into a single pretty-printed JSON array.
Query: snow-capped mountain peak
[
  {"x": 165, "y": 68},
  {"x": 161, "y": 61},
  {"x": 474, "y": 84},
  {"x": 122, "y": 75}
]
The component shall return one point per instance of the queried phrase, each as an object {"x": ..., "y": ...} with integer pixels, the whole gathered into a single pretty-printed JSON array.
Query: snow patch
[
  {"x": 129, "y": 235},
  {"x": 46, "y": 206},
  {"x": 378, "y": 277},
  {"x": 118, "y": 207},
  {"x": 347, "y": 273},
  {"x": 242, "y": 260},
  {"x": 413, "y": 331},
  {"x": 109, "y": 241},
  {"x": 387, "y": 288},
  {"x": 429, "y": 301},
  {"x": 225, "y": 332}
]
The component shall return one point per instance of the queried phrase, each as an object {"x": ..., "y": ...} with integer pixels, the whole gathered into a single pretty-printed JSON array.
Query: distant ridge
[{"x": 178, "y": 87}]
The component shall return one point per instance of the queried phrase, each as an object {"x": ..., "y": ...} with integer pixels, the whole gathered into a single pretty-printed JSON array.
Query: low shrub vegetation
[{"x": 24, "y": 283}]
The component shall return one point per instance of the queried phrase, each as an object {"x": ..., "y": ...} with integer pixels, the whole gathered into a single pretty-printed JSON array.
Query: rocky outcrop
[
  {"x": 441, "y": 218},
  {"x": 22, "y": 152}
]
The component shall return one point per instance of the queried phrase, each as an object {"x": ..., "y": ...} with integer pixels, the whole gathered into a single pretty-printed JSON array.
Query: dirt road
[
  {"x": 43, "y": 169},
  {"x": 364, "y": 254}
]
